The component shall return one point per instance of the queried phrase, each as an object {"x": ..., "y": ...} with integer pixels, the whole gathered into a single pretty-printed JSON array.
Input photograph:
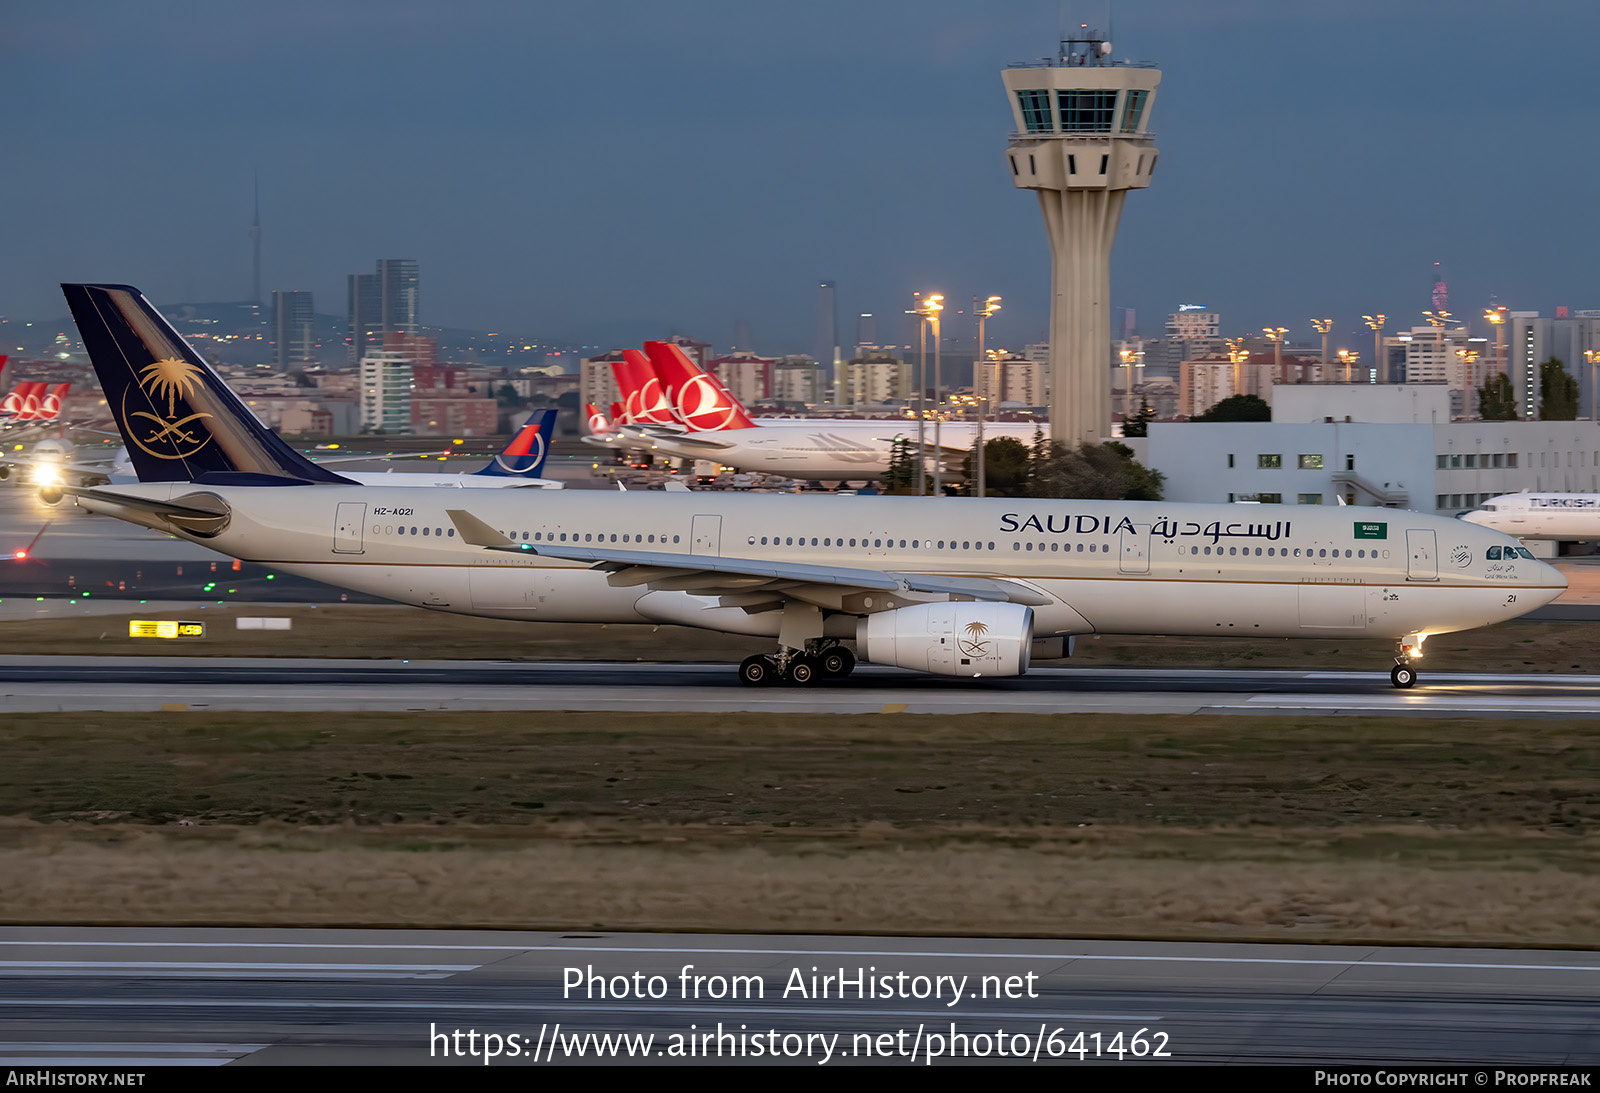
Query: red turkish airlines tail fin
[{"x": 702, "y": 403}]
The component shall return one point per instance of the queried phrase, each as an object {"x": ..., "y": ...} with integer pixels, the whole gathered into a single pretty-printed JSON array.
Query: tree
[
  {"x": 900, "y": 477},
  {"x": 1496, "y": 400},
  {"x": 1005, "y": 468},
  {"x": 1138, "y": 424},
  {"x": 1105, "y": 472},
  {"x": 1558, "y": 392},
  {"x": 1238, "y": 408}
]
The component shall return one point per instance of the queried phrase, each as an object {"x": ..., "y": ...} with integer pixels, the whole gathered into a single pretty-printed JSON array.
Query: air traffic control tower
[{"x": 1082, "y": 142}]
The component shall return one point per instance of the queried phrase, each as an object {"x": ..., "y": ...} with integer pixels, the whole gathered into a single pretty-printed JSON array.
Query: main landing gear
[
  {"x": 801, "y": 668},
  {"x": 1403, "y": 675}
]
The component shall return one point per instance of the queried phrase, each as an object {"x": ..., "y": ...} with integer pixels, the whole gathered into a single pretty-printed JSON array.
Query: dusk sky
[{"x": 577, "y": 171}]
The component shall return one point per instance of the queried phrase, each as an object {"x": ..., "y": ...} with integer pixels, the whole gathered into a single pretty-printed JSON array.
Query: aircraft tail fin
[
  {"x": 524, "y": 456},
  {"x": 631, "y": 386},
  {"x": 702, "y": 403},
  {"x": 50, "y": 405},
  {"x": 653, "y": 404},
  {"x": 598, "y": 425},
  {"x": 178, "y": 419},
  {"x": 27, "y": 395}
]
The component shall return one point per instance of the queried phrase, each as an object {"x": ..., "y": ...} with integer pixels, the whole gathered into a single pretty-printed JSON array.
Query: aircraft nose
[{"x": 1552, "y": 583}]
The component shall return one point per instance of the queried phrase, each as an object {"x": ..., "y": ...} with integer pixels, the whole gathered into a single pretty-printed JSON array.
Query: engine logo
[{"x": 972, "y": 643}]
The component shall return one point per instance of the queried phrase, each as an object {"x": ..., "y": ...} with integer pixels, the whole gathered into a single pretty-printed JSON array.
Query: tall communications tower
[{"x": 1082, "y": 142}]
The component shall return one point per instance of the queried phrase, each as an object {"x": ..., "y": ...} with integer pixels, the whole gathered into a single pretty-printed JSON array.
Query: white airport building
[{"x": 1386, "y": 444}]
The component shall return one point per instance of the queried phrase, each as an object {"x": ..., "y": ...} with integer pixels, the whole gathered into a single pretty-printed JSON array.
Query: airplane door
[
  {"x": 706, "y": 534},
  {"x": 348, "y": 523},
  {"x": 1135, "y": 550},
  {"x": 1422, "y": 549}
]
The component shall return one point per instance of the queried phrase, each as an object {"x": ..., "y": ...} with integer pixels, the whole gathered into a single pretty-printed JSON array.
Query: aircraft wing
[
  {"x": 377, "y": 458},
  {"x": 62, "y": 473},
  {"x": 707, "y": 443},
  {"x": 754, "y": 582}
]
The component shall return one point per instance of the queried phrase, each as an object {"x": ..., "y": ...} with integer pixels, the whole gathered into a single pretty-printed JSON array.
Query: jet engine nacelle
[{"x": 950, "y": 639}]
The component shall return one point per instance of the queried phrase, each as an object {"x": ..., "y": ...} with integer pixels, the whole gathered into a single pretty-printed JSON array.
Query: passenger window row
[
  {"x": 587, "y": 537},
  {"x": 869, "y": 544},
  {"x": 391, "y": 529},
  {"x": 1283, "y": 552}
]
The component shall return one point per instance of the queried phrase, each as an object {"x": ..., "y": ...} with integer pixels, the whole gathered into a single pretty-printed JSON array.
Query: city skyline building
[
  {"x": 825, "y": 346},
  {"x": 866, "y": 329},
  {"x": 255, "y": 248},
  {"x": 1569, "y": 336},
  {"x": 386, "y": 301},
  {"x": 1081, "y": 142},
  {"x": 366, "y": 315},
  {"x": 398, "y": 291},
  {"x": 386, "y": 392},
  {"x": 872, "y": 378},
  {"x": 294, "y": 322}
]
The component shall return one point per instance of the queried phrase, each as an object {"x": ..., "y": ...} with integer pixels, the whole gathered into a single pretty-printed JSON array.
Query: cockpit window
[
  {"x": 1493, "y": 553},
  {"x": 1524, "y": 552}
]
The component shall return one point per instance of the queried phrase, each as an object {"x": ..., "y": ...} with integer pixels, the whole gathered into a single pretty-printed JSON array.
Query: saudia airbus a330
[{"x": 954, "y": 587}]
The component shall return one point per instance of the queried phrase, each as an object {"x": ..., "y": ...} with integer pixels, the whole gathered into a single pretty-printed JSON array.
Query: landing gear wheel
[
  {"x": 758, "y": 671},
  {"x": 837, "y": 662},
  {"x": 1402, "y": 675},
  {"x": 803, "y": 671}
]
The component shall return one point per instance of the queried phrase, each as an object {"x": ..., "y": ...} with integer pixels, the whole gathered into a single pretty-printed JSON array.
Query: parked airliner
[
  {"x": 958, "y": 587},
  {"x": 715, "y": 426},
  {"x": 55, "y": 463},
  {"x": 1569, "y": 516}
]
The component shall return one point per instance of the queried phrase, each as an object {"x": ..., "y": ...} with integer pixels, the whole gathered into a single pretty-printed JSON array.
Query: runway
[
  {"x": 171, "y": 684},
  {"x": 141, "y": 997}
]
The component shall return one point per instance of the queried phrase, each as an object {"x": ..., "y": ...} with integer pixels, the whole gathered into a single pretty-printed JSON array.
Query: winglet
[{"x": 474, "y": 532}]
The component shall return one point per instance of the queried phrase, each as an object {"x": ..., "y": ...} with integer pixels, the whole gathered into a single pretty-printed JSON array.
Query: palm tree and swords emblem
[
  {"x": 973, "y": 644},
  {"x": 172, "y": 379}
]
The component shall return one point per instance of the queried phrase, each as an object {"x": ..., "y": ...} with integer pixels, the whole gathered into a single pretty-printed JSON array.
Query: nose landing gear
[{"x": 1403, "y": 675}]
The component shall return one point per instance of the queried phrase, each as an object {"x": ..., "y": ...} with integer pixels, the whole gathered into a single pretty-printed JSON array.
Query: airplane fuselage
[
  {"x": 1119, "y": 567},
  {"x": 801, "y": 448}
]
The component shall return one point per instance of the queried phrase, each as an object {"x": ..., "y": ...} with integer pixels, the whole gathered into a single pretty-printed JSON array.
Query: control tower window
[
  {"x": 1086, "y": 111},
  {"x": 1036, "y": 111},
  {"x": 1133, "y": 111}
]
